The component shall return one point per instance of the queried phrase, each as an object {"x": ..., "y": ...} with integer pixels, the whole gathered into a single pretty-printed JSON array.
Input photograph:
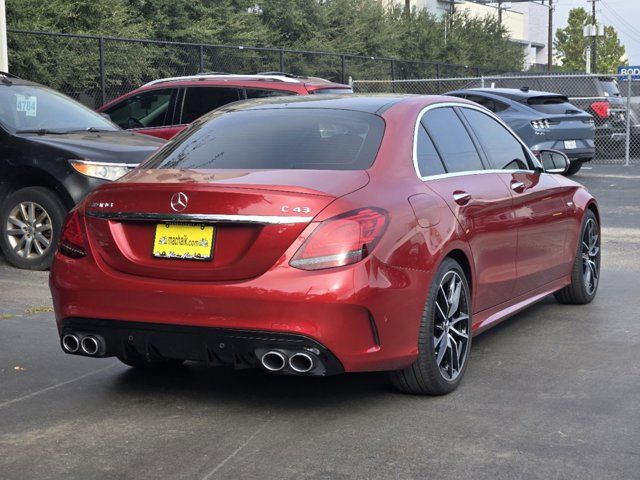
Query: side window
[
  {"x": 489, "y": 103},
  {"x": 257, "y": 93},
  {"x": 452, "y": 140},
  {"x": 201, "y": 100},
  {"x": 503, "y": 151},
  {"x": 144, "y": 110},
  {"x": 427, "y": 157}
]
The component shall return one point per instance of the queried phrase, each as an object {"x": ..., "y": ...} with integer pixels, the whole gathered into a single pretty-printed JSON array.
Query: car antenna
[{"x": 524, "y": 89}]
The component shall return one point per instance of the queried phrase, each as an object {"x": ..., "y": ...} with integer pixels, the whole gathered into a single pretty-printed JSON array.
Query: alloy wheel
[
  {"x": 451, "y": 326},
  {"x": 29, "y": 230},
  {"x": 590, "y": 256}
]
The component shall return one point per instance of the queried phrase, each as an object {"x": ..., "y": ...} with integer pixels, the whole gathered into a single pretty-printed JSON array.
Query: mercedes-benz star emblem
[{"x": 179, "y": 201}]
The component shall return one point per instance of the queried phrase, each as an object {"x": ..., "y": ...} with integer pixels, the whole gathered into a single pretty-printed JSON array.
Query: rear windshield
[
  {"x": 550, "y": 104},
  {"x": 287, "y": 138},
  {"x": 610, "y": 88}
]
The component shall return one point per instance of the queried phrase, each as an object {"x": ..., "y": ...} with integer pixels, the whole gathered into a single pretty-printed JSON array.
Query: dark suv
[
  {"x": 53, "y": 151},
  {"x": 596, "y": 95}
]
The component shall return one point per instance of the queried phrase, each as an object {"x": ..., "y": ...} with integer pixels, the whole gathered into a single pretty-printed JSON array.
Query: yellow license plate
[{"x": 186, "y": 242}]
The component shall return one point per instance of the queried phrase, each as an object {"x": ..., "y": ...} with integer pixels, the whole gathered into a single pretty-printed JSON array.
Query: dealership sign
[{"x": 633, "y": 71}]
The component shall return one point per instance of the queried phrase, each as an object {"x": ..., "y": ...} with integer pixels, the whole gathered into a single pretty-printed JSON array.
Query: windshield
[
  {"x": 27, "y": 108},
  {"x": 610, "y": 88},
  {"x": 287, "y": 138}
]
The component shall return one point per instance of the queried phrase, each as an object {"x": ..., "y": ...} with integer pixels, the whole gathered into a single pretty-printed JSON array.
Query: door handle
[
  {"x": 517, "y": 187},
  {"x": 461, "y": 198}
]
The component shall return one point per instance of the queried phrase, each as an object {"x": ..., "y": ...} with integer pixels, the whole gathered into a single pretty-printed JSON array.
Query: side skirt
[{"x": 494, "y": 315}]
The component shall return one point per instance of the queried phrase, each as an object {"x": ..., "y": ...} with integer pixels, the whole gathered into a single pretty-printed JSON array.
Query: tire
[
  {"x": 585, "y": 274},
  {"x": 26, "y": 246},
  {"x": 427, "y": 376},
  {"x": 573, "y": 168}
]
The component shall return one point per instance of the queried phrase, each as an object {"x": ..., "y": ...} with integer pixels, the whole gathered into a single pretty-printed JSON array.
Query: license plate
[
  {"x": 186, "y": 242},
  {"x": 570, "y": 144}
]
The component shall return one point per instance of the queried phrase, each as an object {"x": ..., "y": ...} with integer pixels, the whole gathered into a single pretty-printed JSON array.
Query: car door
[
  {"x": 538, "y": 203},
  {"x": 150, "y": 112},
  {"x": 477, "y": 197}
]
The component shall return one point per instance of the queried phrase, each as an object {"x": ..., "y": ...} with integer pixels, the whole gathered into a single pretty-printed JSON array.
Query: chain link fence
[
  {"x": 612, "y": 100},
  {"x": 96, "y": 69}
]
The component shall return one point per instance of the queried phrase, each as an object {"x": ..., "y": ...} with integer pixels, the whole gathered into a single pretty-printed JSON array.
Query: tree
[{"x": 570, "y": 45}]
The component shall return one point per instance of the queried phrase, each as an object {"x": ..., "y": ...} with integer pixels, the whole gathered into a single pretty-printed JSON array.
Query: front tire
[
  {"x": 585, "y": 275},
  {"x": 444, "y": 340},
  {"x": 30, "y": 223}
]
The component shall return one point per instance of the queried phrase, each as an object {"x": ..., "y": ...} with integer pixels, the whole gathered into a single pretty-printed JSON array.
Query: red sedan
[{"x": 314, "y": 236}]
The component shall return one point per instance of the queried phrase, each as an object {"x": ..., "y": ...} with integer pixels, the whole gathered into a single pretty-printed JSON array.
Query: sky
[{"x": 623, "y": 15}]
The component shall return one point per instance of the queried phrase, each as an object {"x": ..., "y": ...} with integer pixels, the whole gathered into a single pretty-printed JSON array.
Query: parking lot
[{"x": 552, "y": 393}]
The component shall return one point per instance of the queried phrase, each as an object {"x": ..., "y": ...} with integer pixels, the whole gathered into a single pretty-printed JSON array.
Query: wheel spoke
[
  {"x": 438, "y": 341},
  {"x": 39, "y": 249},
  {"x": 27, "y": 247},
  {"x": 19, "y": 245},
  {"x": 17, "y": 222},
  {"x": 32, "y": 212},
  {"x": 594, "y": 269},
  {"x": 459, "y": 318},
  {"x": 455, "y": 298},
  {"x": 14, "y": 232},
  {"x": 441, "y": 351},
  {"x": 444, "y": 317},
  {"x": 41, "y": 217},
  {"x": 458, "y": 332},
  {"x": 43, "y": 228},
  {"x": 42, "y": 240},
  {"x": 23, "y": 212},
  {"x": 455, "y": 354}
]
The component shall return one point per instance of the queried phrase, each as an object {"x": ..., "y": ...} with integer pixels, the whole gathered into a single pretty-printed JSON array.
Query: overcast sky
[{"x": 624, "y": 15}]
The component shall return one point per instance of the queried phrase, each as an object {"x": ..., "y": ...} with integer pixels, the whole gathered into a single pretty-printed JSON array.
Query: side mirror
[
  {"x": 554, "y": 161},
  {"x": 105, "y": 115}
]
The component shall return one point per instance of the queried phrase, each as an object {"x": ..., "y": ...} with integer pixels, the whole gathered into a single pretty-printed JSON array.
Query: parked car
[
  {"x": 349, "y": 234},
  {"x": 53, "y": 151},
  {"x": 597, "y": 95},
  {"x": 634, "y": 113},
  {"x": 543, "y": 120},
  {"x": 164, "y": 107}
]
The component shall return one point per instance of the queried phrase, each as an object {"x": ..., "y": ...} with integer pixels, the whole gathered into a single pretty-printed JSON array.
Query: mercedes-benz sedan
[{"x": 315, "y": 236}]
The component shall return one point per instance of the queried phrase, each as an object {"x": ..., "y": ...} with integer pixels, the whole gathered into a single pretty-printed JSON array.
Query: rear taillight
[
  {"x": 601, "y": 109},
  {"x": 71, "y": 239},
  {"x": 342, "y": 240}
]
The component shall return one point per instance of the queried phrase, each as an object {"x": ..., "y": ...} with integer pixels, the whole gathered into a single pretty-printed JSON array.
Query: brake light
[
  {"x": 71, "y": 239},
  {"x": 342, "y": 240},
  {"x": 601, "y": 109}
]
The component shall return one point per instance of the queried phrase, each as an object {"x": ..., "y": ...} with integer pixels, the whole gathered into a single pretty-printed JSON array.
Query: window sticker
[{"x": 27, "y": 104}]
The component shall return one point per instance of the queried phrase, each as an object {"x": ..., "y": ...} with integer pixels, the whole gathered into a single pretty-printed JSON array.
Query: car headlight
[{"x": 102, "y": 170}]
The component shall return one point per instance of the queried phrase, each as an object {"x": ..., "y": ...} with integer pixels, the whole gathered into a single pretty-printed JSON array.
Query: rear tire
[
  {"x": 573, "y": 168},
  {"x": 444, "y": 339},
  {"x": 585, "y": 274},
  {"x": 30, "y": 223}
]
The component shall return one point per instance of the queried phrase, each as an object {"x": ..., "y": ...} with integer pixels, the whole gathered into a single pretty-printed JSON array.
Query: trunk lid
[{"x": 256, "y": 216}]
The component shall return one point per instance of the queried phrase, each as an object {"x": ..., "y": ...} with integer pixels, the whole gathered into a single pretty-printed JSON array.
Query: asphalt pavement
[{"x": 552, "y": 393}]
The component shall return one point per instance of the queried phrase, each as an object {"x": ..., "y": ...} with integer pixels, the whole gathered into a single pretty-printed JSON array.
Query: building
[{"x": 527, "y": 22}]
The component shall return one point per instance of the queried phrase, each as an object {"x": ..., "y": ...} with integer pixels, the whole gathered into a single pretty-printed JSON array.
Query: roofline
[{"x": 274, "y": 78}]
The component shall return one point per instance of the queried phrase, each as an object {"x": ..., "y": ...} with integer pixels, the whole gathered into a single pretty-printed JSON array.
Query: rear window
[
  {"x": 287, "y": 138},
  {"x": 550, "y": 104},
  {"x": 610, "y": 88}
]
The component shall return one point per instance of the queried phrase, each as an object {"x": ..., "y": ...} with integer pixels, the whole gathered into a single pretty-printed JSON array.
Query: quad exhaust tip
[
  {"x": 301, "y": 362},
  {"x": 273, "y": 361},
  {"x": 90, "y": 345},
  {"x": 71, "y": 343}
]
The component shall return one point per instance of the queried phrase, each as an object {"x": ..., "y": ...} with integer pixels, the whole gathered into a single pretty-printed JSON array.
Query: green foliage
[
  {"x": 359, "y": 27},
  {"x": 571, "y": 44}
]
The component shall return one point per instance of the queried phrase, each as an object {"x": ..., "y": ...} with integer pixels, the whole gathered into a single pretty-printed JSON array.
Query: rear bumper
[
  {"x": 366, "y": 315},
  {"x": 213, "y": 346}
]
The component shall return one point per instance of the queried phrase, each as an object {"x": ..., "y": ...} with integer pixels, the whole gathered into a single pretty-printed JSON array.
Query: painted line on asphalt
[
  {"x": 236, "y": 451},
  {"x": 53, "y": 387}
]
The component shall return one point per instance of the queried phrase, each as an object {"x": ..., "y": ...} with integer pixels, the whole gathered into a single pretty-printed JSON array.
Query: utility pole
[
  {"x": 594, "y": 39},
  {"x": 550, "y": 39},
  {"x": 500, "y": 12},
  {"x": 4, "y": 55}
]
